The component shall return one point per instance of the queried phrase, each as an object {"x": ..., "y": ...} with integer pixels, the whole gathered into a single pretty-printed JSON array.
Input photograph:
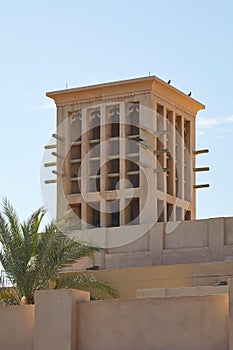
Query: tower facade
[{"x": 125, "y": 154}]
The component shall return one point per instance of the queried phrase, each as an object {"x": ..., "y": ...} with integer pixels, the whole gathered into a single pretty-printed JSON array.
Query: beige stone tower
[{"x": 126, "y": 153}]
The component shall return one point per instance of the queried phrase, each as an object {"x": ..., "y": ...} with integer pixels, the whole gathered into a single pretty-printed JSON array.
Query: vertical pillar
[
  {"x": 182, "y": 159},
  {"x": 123, "y": 157},
  {"x": 193, "y": 157},
  {"x": 56, "y": 319},
  {"x": 147, "y": 210},
  {"x": 173, "y": 130},
  {"x": 230, "y": 286},
  {"x": 216, "y": 238},
  {"x": 63, "y": 183},
  {"x": 156, "y": 244},
  {"x": 154, "y": 147},
  {"x": 84, "y": 150},
  {"x": 104, "y": 144}
]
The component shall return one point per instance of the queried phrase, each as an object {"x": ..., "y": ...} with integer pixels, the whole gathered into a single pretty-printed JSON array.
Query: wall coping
[{"x": 180, "y": 292}]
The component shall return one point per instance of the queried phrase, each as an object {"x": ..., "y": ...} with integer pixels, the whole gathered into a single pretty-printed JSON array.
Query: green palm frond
[
  {"x": 8, "y": 297},
  {"x": 32, "y": 258},
  {"x": 86, "y": 281},
  {"x": 13, "y": 222}
]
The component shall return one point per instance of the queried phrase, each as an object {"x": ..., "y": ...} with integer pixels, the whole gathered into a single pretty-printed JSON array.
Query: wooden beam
[
  {"x": 201, "y": 186},
  {"x": 50, "y": 146},
  {"x": 163, "y": 170},
  {"x": 75, "y": 178},
  {"x": 200, "y": 151},
  {"x": 58, "y": 137},
  {"x": 57, "y": 173},
  {"x": 74, "y": 161},
  {"x": 161, "y": 132},
  {"x": 46, "y": 165},
  {"x": 159, "y": 151},
  {"x": 47, "y": 182},
  {"x": 55, "y": 154},
  {"x": 135, "y": 172},
  {"x": 201, "y": 169}
]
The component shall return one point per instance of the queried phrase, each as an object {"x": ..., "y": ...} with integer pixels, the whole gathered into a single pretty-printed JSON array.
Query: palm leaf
[
  {"x": 32, "y": 259},
  {"x": 86, "y": 281},
  {"x": 8, "y": 297}
]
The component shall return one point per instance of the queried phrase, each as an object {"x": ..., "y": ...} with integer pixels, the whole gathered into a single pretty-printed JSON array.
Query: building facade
[{"x": 125, "y": 153}]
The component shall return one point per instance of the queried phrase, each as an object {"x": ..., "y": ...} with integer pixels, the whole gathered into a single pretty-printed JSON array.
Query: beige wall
[
  {"x": 128, "y": 280},
  {"x": 56, "y": 318},
  {"x": 175, "y": 243},
  {"x": 17, "y": 327},
  {"x": 67, "y": 320},
  {"x": 189, "y": 323}
]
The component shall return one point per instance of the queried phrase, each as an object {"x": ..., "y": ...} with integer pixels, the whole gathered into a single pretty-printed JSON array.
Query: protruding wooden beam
[
  {"x": 200, "y": 151},
  {"x": 74, "y": 161},
  {"x": 94, "y": 177},
  {"x": 162, "y": 170},
  {"x": 113, "y": 175},
  {"x": 135, "y": 172},
  {"x": 201, "y": 186},
  {"x": 55, "y": 154},
  {"x": 94, "y": 141},
  {"x": 161, "y": 132},
  {"x": 58, "y": 137},
  {"x": 76, "y": 178},
  {"x": 46, "y": 165},
  {"x": 115, "y": 156},
  {"x": 47, "y": 182},
  {"x": 76, "y": 143},
  {"x": 159, "y": 151},
  {"x": 133, "y": 136},
  {"x": 201, "y": 169},
  {"x": 154, "y": 133},
  {"x": 50, "y": 146},
  {"x": 57, "y": 173}
]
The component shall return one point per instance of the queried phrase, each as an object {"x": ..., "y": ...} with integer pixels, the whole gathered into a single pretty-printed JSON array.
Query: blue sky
[{"x": 46, "y": 44}]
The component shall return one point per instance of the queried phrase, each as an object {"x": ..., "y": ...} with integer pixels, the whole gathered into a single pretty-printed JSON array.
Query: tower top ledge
[{"x": 122, "y": 88}]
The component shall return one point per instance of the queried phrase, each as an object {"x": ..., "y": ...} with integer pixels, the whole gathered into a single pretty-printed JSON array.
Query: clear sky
[{"x": 46, "y": 44}]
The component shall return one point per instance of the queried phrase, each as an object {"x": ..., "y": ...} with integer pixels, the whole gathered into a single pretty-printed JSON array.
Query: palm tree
[{"x": 32, "y": 259}]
